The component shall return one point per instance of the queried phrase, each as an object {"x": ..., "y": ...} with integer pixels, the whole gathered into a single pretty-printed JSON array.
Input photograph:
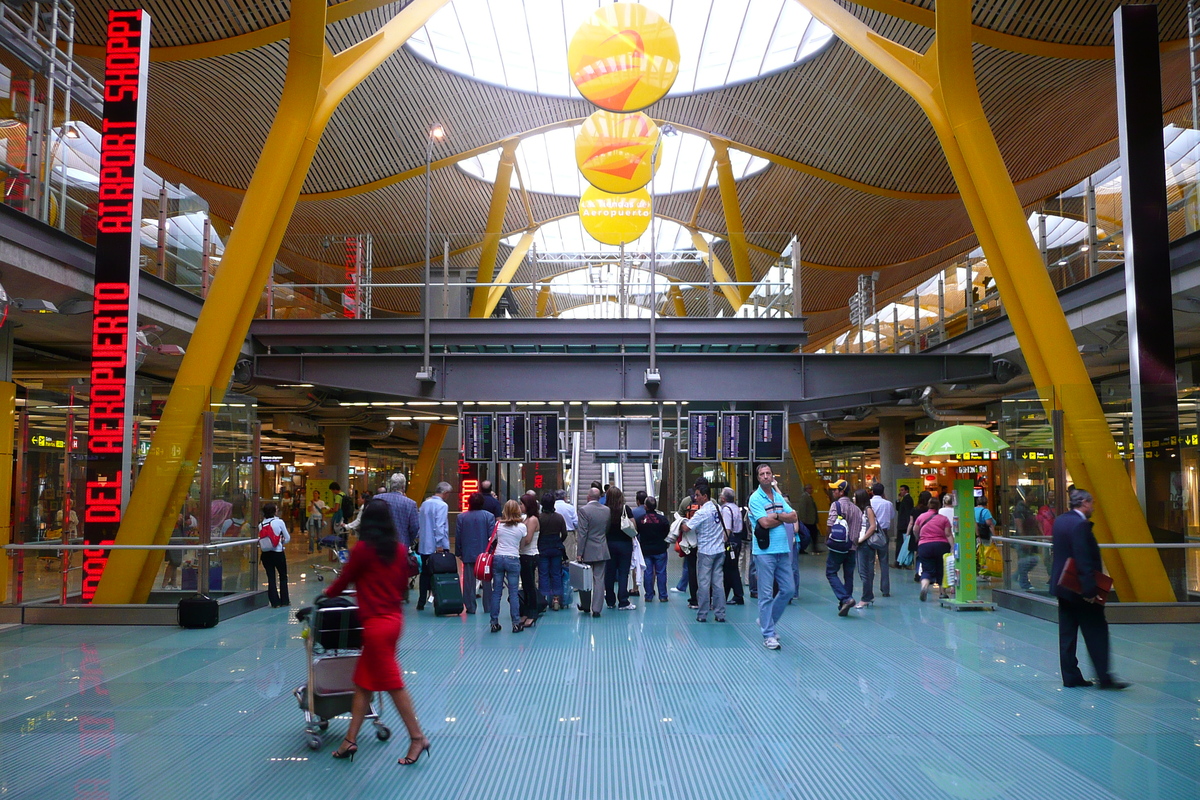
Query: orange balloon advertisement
[
  {"x": 614, "y": 219},
  {"x": 624, "y": 58},
  {"x": 613, "y": 151}
]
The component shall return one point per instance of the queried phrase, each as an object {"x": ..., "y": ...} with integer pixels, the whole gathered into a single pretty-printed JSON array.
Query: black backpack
[{"x": 347, "y": 508}]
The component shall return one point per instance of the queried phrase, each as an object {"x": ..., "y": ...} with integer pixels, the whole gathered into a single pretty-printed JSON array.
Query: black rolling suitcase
[
  {"x": 199, "y": 611},
  {"x": 447, "y": 594}
]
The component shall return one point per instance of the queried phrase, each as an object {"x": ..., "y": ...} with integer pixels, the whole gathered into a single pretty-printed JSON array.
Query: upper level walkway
[{"x": 901, "y": 700}]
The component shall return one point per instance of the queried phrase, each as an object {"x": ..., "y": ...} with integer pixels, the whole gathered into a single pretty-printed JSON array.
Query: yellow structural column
[
  {"x": 920, "y": 76},
  {"x": 719, "y": 273},
  {"x": 733, "y": 218},
  {"x": 418, "y": 484},
  {"x": 8, "y": 415},
  {"x": 316, "y": 82},
  {"x": 507, "y": 271},
  {"x": 807, "y": 469},
  {"x": 495, "y": 227}
]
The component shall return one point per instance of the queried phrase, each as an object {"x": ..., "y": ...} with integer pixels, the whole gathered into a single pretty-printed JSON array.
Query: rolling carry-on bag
[
  {"x": 189, "y": 580},
  {"x": 447, "y": 595},
  {"x": 199, "y": 611},
  {"x": 442, "y": 563}
]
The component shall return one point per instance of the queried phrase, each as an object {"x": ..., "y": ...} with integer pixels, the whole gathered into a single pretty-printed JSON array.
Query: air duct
[
  {"x": 932, "y": 412},
  {"x": 385, "y": 433},
  {"x": 847, "y": 437}
]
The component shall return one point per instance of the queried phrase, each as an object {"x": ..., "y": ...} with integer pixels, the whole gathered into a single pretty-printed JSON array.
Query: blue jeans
[
  {"x": 773, "y": 568},
  {"x": 506, "y": 570},
  {"x": 842, "y": 587},
  {"x": 684, "y": 578},
  {"x": 550, "y": 573},
  {"x": 656, "y": 567}
]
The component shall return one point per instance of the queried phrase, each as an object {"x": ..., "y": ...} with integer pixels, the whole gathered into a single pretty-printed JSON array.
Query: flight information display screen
[
  {"x": 735, "y": 435},
  {"x": 478, "y": 436},
  {"x": 512, "y": 437},
  {"x": 769, "y": 435},
  {"x": 702, "y": 435},
  {"x": 543, "y": 436}
]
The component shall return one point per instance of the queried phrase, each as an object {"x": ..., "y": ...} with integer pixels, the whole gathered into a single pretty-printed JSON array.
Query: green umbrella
[{"x": 959, "y": 439}]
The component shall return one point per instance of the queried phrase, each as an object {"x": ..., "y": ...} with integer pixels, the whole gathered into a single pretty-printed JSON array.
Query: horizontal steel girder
[{"x": 763, "y": 377}]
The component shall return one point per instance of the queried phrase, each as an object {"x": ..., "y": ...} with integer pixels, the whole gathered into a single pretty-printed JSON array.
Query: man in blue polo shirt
[{"x": 773, "y": 563}]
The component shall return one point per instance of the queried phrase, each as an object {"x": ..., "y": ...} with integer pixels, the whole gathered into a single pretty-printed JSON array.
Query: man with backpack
[
  {"x": 273, "y": 536},
  {"x": 845, "y": 527},
  {"x": 769, "y": 512}
]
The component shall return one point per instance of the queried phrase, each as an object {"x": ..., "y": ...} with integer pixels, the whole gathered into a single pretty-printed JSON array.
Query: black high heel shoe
[
  {"x": 408, "y": 762},
  {"x": 348, "y": 752}
]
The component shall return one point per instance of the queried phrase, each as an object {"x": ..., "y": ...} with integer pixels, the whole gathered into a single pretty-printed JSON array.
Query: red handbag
[{"x": 483, "y": 564}]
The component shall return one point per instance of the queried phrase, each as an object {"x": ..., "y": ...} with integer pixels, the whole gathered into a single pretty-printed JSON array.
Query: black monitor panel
[
  {"x": 512, "y": 436},
  {"x": 478, "y": 436},
  {"x": 543, "y": 436},
  {"x": 735, "y": 435},
  {"x": 769, "y": 443},
  {"x": 702, "y": 435}
]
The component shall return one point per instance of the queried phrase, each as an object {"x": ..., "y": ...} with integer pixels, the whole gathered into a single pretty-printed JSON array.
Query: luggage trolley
[{"x": 333, "y": 642}]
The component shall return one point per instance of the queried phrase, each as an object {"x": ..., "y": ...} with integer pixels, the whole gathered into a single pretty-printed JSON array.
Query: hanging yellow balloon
[
  {"x": 614, "y": 151},
  {"x": 624, "y": 58},
  {"x": 614, "y": 218}
]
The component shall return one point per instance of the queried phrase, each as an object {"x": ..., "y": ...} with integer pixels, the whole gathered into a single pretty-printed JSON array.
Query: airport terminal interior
[{"x": 359, "y": 269}]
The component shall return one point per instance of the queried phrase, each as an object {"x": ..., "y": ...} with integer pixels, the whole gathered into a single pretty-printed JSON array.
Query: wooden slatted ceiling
[{"x": 176, "y": 22}]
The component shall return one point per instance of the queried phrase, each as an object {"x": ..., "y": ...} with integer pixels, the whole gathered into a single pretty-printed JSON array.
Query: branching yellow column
[
  {"x": 495, "y": 227},
  {"x": 316, "y": 82},
  {"x": 435, "y": 437},
  {"x": 942, "y": 82},
  {"x": 720, "y": 274},
  {"x": 733, "y": 217},
  {"x": 507, "y": 271}
]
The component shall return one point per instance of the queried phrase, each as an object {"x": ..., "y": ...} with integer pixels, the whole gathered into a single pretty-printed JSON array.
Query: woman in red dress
[{"x": 378, "y": 568}]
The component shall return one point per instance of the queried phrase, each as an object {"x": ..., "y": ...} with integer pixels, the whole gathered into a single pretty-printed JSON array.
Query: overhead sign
[
  {"x": 735, "y": 435},
  {"x": 110, "y": 450},
  {"x": 478, "y": 437},
  {"x": 769, "y": 444},
  {"x": 613, "y": 151},
  {"x": 614, "y": 219},
  {"x": 702, "y": 435},
  {"x": 512, "y": 436},
  {"x": 543, "y": 436},
  {"x": 624, "y": 57}
]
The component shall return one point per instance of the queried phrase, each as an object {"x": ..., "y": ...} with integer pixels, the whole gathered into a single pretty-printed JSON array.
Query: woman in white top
[
  {"x": 947, "y": 509},
  {"x": 511, "y": 536},
  {"x": 529, "y": 563}
]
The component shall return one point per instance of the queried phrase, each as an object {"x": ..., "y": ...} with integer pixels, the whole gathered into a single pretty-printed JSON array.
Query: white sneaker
[
  {"x": 771, "y": 643},
  {"x": 677, "y": 591},
  {"x": 627, "y": 607}
]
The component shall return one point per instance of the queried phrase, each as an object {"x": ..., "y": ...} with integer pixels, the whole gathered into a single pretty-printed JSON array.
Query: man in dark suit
[{"x": 1073, "y": 538}]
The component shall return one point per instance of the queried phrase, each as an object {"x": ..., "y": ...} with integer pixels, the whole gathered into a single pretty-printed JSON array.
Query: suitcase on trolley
[{"x": 447, "y": 595}]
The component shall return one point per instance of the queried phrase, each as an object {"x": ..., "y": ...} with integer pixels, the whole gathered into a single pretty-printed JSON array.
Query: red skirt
[{"x": 378, "y": 670}]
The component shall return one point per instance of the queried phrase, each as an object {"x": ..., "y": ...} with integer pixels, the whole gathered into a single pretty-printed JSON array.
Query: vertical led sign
[{"x": 114, "y": 317}]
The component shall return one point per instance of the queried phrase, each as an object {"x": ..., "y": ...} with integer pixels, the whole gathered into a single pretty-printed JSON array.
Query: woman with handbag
[
  {"x": 621, "y": 530},
  {"x": 379, "y": 568},
  {"x": 552, "y": 532},
  {"x": 511, "y": 536},
  {"x": 529, "y": 562}
]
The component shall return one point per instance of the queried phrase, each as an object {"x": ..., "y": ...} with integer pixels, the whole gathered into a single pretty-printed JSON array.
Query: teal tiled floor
[{"x": 902, "y": 700}]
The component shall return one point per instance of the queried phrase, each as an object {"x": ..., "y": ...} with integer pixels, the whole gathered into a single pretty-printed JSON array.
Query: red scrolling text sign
[{"x": 114, "y": 319}]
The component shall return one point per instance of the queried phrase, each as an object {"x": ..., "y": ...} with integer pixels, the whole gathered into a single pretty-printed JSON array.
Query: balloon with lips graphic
[
  {"x": 624, "y": 58},
  {"x": 613, "y": 151}
]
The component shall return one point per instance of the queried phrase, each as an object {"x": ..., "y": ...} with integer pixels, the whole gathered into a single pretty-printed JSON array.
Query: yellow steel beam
[
  {"x": 544, "y": 300},
  {"x": 807, "y": 469},
  {"x": 720, "y": 275},
  {"x": 8, "y": 414},
  {"x": 712, "y": 164},
  {"x": 733, "y": 216},
  {"x": 677, "y": 299},
  {"x": 943, "y": 85},
  {"x": 418, "y": 484},
  {"x": 490, "y": 245},
  {"x": 316, "y": 82},
  {"x": 525, "y": 201},
  {"x": 241, "y": 42},
  {"x": 507, "y": 271},
  {"x": 1005, "y": 41}
]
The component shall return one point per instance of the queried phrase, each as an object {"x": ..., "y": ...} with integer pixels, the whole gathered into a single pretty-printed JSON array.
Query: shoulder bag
[
  {"x": 483, "y": 562},
  {"x": 628, "y": 525}
]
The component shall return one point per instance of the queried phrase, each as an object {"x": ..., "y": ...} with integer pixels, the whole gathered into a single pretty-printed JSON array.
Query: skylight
[
  {"x": 547, "y": 164},
  {"x": 609, "y": 279},
  {"x": 522, "y": 44}
]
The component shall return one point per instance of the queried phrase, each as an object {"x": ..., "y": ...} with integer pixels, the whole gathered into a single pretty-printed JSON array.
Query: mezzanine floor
[{"x": 902, "y": 700}]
